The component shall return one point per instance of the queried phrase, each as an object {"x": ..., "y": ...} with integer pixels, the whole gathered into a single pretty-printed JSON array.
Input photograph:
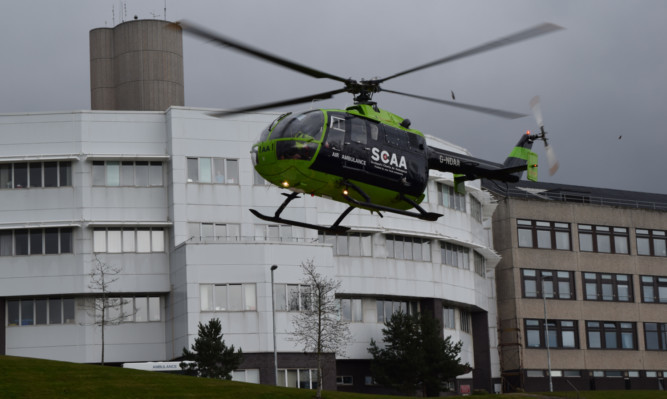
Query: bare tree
[
  {"x": 318, "y": 326},
  {"x": 105, "y": 309}
]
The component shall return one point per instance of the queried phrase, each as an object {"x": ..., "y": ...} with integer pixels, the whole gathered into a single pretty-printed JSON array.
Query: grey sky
[{"x": 601, "y": 78}]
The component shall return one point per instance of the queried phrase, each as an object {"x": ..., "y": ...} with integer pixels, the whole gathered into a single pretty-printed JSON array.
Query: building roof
[{"x": 581, "y": 194}]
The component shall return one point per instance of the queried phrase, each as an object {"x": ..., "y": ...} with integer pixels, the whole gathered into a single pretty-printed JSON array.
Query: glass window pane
[
  {"x": 55, "y": 312},
  {"x": 357, "y": 315},
  {"x": 36, "y": 241},
  {"x": 623, "y": 293},
  {"x": 141, "y": 173},
  {"x": 293, "y": 297},
  {"x": 647, "y": 293},
  {"x": 366, "y": 245},
  {"x": 68, "y": 310},
  {"x": 6, "y": 176},
  {"x": 193, "y": 170},
  {"x": 206, "y": 297},
  {"x": 129, "y": 244},
  {"x": 562, "y": 240},
  {"x": 627, "y": 340},
  {"x": 407, "y": 248},
  {"x": 40, "y": 311},
  {"x": 250, "y": 297},
  {"x": 607, "y": 292},
  {"x": 564, "y": 290},
  {"x": 155, "y": 174},
  {"x": 21, "y": 242},
  {"x": 389, "y": 244},
  {"x": 533, "y": 337},
  {"x": 281, "y": 296},
  {"x": 232, "y": 171},
  {"x": 114, "y": 240},
  {"x": 621, "y": 245},
  {"x": 113, "y": 173},
  {"x": 543, "y": 239},
  {"x": 6, "y": 243},
  {"x": 66, "y": 240},
  {"x": 50, "y": 241},
  {"x": 220, "y": 294},
  {"x": 205, "y": 169},
  {"x": 594, "y": 339},
  {"x": 65, "y": 174},
  {"x": 143, "y": 240},
  {"x": 157, "y": 240},
  {"x": 50, "y": 174},
  {"x": 235, "y": 297},
  {"x": 141, "y": 309},
  {"x": 99, "y": 240},
  {"x": 610, "y": 340},
  {"x": 354, "y": 242},
  {"x": 604, "y": 243},
  {"x": 13, "y": 312},
  {"x": 341, "y": 245},
  {"x": 530, "y": 287},
  {"x": 525, "y": 238},
  {"x": 154, "y": 308},
  {"x": 219, "y": 170},
  {"x": 127, "y": 173},
  {"x": 659, "y": 247},
  {"x": 27, "y": 316},
  {"x": 585, "y": 242},
  {"x": 20, "y": 175},
  {"x": 591, "y": 292},
  {"x": 568, "y": 339}
]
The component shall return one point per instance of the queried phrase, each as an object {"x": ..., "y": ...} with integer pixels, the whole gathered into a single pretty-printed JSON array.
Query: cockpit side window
[
  {"x": 306, "y": 125},
  {"x": 358, "y": 131}
]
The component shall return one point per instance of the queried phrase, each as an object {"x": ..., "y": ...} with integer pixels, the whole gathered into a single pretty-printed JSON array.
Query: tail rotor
[{"x": 551, "y": 155}]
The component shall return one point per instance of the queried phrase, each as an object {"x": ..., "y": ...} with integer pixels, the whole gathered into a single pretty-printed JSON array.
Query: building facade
[
  {"x": 582, "y": 287},
  {"x": 164, "y": 196}
]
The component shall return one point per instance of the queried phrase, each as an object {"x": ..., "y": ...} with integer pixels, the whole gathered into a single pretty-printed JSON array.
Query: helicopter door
[{"x": 356, "y": 151}]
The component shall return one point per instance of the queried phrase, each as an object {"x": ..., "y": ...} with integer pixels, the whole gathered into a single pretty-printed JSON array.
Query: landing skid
[
  {"x": 368, "y": 204},
  {"x": 335, "y": 228}
]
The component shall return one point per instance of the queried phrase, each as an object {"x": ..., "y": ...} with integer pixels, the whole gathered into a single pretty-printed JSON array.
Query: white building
[{"x": 165, "y": 196}]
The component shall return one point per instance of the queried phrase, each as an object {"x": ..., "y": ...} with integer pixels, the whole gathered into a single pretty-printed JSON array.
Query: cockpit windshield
[{"x": 307, "y": 125}]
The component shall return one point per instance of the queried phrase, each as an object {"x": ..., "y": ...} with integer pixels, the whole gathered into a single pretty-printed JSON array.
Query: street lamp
[{"x": 273, "y": 312}]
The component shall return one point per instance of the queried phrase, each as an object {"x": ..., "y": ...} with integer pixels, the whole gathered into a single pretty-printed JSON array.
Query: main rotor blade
[
  {"x": 283, "y": 103},
  {"x": 476, "y": 108},
  {"x": 504, "y": 41},
  {"x": 226, "y": 41}
]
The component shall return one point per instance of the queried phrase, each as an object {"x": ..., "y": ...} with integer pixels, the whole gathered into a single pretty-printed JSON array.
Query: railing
[{"x": 582, "y": 198}]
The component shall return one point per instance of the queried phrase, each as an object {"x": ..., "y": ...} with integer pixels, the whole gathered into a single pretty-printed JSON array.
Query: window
[
  {"x": 139, "y": 309},
  {"x": 214, "y": 231},
  {"x": 608, "y": 287},
  {"x": 455, "y": 255},
  {"x": 387, "y": 307},
  {"x": 128, "y": 173},
  {"x": 611, "y": 335},
  {"x": 292, "y": 297},
  {"x": 36, "y": 174},
  {"x": 654, "y": 289},
  {"x": 450, "y": 198},
  {"x": 247, "y": 375},
  {"x": 408, "y": 248},
  {"x": 344, "y": 380},
  {"x": 604, "y": 239},
  {"x": 480, "y": 263},
  {"x": 449, "y": 317},
  {"x": 651, "y": 242},
  {"x": 465, "y": 321},
  {"x": 350, "y": 244},
  {"x": 57, "y": 240},
  {"x": 561, "y": 333},
  {"x": 228, "y": 297},
  {"x": 41, "y": 311},
  {"x": 656, "y": 336},
  {"x": 213, "y": 170},
  {"x": 351, "y": 310},
  {"x": 556, "y": 284},
  {"x": 543, "y": 235},
  {"x": 476, "y": 209},
  {"x": 297, "y": 378},
  {"x": 118, "y": 240}
]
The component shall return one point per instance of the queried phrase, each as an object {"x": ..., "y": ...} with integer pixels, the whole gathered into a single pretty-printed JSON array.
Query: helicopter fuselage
[{"x": 324, "y": 152}]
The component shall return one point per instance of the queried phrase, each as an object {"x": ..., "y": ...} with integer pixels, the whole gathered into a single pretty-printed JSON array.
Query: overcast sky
[{"x": 602, "y": 80}]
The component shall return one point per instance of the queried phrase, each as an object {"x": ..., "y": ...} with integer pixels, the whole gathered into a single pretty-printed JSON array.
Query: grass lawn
[{"x": 34, "y": 378}]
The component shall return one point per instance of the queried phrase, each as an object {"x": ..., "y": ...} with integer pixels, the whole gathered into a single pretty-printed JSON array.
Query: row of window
[
  {"x": 128, "y": 173},
  {"x": 596, "y": 373},
  {"x": 213, "y": 170},
  {"x": 610, "y": 287},
  {"x": 128, "y": 239},
  {"x": 36, "y": 174},
  {"x": 449, "y": 319},
  {"x": 374, "y": 310},
  {"x": 130, "y": 309},
  {"x": 563, "y": 334},
  {"x": 36, "y": 241},
  {"x": 592, "y": 238}
]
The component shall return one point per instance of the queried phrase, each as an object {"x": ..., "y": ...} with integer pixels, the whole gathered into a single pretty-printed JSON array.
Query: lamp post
[{"x": 273, "y": 312}]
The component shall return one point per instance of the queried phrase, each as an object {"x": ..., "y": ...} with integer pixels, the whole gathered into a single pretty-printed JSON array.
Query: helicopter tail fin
[{"x": 522, "y": 158}]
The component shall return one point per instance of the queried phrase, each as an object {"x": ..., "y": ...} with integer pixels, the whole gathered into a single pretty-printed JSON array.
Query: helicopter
[{"x": 365, "y": 156}]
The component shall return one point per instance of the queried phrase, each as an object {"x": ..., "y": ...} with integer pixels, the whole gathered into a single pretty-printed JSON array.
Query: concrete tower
[{"x": 136, "y": 65}]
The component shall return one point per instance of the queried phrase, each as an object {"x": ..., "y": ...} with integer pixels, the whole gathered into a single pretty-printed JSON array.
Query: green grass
[{"x": 35, "y": 378}]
